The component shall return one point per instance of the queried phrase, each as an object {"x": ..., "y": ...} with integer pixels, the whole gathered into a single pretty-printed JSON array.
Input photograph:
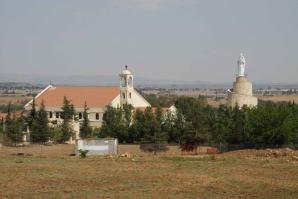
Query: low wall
[{"x": 98, "y": 146}]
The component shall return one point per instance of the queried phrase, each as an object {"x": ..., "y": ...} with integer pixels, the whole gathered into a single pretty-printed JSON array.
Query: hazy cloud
[
  {"x": 71, "y": 35},
  {"x": 147, "y": 5}
]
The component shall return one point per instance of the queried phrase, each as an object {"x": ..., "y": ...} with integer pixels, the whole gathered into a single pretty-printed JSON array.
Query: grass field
[{"x": 49, "y": 172}]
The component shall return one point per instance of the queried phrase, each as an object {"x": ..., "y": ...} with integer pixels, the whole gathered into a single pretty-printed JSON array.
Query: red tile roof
[{"x": 94, "y": 96}]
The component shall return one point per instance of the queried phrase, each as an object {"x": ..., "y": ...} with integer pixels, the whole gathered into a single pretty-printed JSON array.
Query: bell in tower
[{"x": 126, "y": 87}]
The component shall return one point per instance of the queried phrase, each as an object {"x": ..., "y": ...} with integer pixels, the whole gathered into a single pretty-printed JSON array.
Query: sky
[{"x": 189, "y": 40}]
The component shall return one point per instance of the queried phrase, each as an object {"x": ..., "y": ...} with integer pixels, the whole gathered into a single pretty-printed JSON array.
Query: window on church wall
[
  {"x": 57, "y": 115},
  {"x": 130, "y": 95},
  {"x": 130, "y": 81},
  {"x": 97, "y": 116},
  {"x": 80, "y": 116},
  {"x": 50, "y": 114},
  {"x": 123, "y": 95},
  {"x": 122, "y": 82}
]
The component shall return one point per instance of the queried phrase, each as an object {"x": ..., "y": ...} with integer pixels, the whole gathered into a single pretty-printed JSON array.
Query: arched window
[
  {"x": 122, "y": 82},
  {"x": 130, "y": 95},
  {"x": 123, "y": 95},
  {"x": 50, "y": 114},
  {"x": 80, "y": 116},
  {"x": 97, "y": 116},
  {"x": 130, "y": 81}
]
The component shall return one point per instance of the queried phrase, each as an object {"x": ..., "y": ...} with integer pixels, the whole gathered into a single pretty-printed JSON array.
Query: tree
[
  {"x": 271, "y": 125},
  {"x": 221, "y": 124},
  {"x": 13, "y": 126},
  {"x": 85, "y": 129},
  {"x": 153, "y": 134},
  {"x": 179, "y": 127},
  {"x": 237, "y": 133},
  {"x": 189, "y": 106},
  {"x": 40, "y": 131},
  {"x": 114, "y": 124},
  {"x": 2, "y": 126},
  {"x": 136, "y": 131},
  {"x": 128, "y": 130},
  {"x": 32, "y": 115},
  {"x": 68, "y": 113}
]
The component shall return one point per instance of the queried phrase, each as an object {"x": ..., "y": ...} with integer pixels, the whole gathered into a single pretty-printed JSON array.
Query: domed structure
[
  {"x": 126, "y": 71},
  {"x": 241, "y": 93}
]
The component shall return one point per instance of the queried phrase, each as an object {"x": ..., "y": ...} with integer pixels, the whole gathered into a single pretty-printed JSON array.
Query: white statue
[{"x": 241, "y": 66}]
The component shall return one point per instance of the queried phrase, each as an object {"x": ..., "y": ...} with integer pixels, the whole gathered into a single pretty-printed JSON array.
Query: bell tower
[{"x": 126, "y": 87}]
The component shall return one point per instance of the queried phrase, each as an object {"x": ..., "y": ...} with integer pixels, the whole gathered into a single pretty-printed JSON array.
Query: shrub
[{"x": 83, "y": 153}]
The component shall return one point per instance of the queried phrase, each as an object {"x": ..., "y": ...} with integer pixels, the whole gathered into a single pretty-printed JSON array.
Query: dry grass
[
  {"x": 278, "y": 98},
  {"x": 282, "y": 98},
  {"x": 14, "y": 99},
  {"x": 49, "y": 172}
]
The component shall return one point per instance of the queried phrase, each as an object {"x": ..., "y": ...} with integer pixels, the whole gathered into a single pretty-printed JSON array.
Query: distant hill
[
  {"x": 88, "y": 80},
  {"x": 113, "y": 80}
]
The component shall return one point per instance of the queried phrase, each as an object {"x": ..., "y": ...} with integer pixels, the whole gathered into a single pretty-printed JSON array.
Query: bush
[
  {"x": 83, "y": 153},
  {"x": 56, "y": 134}
]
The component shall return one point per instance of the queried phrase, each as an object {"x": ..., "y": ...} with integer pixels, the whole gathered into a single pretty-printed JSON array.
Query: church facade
[{"x": 97, "y": 99}]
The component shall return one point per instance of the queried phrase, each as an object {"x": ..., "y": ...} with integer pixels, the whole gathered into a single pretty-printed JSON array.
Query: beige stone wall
[
  {"x": 242, "y": 86},
  {"x": 92, "y": 112},
  {"x": 242, "y": 100},
  {"x": 241, "y": 94}
]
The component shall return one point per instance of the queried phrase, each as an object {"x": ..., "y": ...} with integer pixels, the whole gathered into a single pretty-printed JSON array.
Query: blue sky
[{"x": 157, "y": 39}]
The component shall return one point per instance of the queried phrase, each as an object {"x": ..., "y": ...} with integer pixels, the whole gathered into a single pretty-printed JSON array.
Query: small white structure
[
  {"x": 241, "y": 93},
  {"x": 98, "y": 146}
]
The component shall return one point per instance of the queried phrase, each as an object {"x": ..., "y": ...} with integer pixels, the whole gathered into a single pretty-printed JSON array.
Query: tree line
[{"x": 195, "y": 122}]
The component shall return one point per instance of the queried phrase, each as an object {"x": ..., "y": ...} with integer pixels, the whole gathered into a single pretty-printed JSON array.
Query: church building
[{"x": 97, "y": 99}]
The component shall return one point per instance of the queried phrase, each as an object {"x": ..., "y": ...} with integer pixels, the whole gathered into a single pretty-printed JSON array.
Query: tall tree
[
  {"x": 32, "y": 115},
  {"x": 13, "y": 127},
  {"x": 114, "y": 124},
  {"x": 68, "y": 113},
  {"x": 152, "y": 126},
  {"x": 136, "y": 132},
  {"x": 237, "y": 133},
  {"x": 221, "y": 124},
  {"x": 128, "y": 130},
  {"x": 85, "y": 129},
  {"x": 40, "y": 129},
  {"x": 2, "y": 125}
]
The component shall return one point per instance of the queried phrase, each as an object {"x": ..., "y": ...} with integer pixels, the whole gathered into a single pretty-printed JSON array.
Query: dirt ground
[{"x": 49, "y": 172}]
